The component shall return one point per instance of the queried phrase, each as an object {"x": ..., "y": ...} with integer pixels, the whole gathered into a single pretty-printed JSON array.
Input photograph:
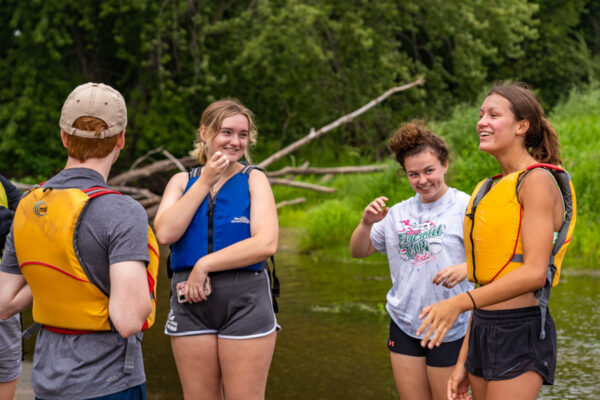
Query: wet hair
[
  {"x": 83, "y": 148},
  {"x": 541, "y": 139},
  {"x": 212, "y": 120},
  {"x": 412, "y": 138}
]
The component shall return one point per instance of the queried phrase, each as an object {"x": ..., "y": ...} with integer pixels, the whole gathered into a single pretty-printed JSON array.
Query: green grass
[{"x": 326, "y": 221}]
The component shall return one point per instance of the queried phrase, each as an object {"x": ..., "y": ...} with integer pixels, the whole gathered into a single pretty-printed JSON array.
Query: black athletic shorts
[
  {"x": 443, "y": 356},
  {"x": 504, "y": 344}
]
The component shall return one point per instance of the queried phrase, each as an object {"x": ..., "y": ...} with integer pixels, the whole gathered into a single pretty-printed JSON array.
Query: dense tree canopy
[{"x": 296, "y": 64}]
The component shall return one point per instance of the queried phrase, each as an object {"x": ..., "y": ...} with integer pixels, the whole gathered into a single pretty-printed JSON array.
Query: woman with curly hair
[{"x": 422, "y": 238}]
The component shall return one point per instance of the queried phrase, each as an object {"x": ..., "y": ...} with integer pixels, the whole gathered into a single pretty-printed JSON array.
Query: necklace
[{"x": 217, "y": 186}]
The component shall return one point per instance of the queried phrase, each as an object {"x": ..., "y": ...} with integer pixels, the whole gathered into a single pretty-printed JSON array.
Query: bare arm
[
  {"x": 129, "y": 302},
  {"x": 176, "y": 210},
  {"x": 15, "y": 294},
  {"x": 264, "y": 231},
  {"x": 360, "y": 242},
  {"x": 538, "y": 196}
]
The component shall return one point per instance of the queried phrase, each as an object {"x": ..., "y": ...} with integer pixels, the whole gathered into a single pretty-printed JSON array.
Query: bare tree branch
[
  {"x": 291, "y": 202},
  {"x": 338, "y": 122},
  {"x": 323, "y": 171},
  {"x": 145, "y": 156},
  {"x": 303, "y": 185},
  {"x": 148, "y": 170}
]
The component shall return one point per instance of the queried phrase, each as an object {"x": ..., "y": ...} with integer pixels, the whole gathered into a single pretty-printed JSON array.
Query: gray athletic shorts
[
  {"x": 239, "y": 307},
  {"x": 10, "y": 348}
]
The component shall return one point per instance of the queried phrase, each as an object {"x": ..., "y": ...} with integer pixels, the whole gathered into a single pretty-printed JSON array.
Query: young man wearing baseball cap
[{"x": 90, "y": 344}]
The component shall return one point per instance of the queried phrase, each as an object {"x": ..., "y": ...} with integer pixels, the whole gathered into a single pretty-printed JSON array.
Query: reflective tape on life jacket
[{"x": 65, "y": 297}]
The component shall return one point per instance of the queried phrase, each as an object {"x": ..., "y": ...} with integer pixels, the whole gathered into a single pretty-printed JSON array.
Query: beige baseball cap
[{"x": 94, "y": 100}]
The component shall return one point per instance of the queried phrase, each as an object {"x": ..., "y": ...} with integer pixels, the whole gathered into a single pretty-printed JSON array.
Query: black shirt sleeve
[{"x": 7, "y": 214}]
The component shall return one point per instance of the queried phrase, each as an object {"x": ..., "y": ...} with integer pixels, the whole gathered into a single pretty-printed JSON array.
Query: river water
[{"x": 334, "y": 329}]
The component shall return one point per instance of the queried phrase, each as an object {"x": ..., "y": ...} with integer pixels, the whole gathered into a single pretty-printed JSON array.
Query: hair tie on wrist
[{"x": 472, "y": 301}]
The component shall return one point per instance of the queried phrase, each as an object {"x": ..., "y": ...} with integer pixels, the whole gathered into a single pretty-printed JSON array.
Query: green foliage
[
  {"x": 296, "y": 64},
  {"x": 328, "y": 224}
]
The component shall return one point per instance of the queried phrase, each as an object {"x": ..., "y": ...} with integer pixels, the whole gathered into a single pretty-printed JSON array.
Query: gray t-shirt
[
  {"x": 114, "y": 228},
  {"x": 421, "y": 239}
]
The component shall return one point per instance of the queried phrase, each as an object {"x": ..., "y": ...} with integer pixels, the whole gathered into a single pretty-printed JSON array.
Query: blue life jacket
[{"x": 219, "y": 222}]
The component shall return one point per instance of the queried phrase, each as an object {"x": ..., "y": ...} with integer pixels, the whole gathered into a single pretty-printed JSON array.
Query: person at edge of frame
[
  {"x": 112, "y": 241},
  {"x": 521, "y": 222},
  {"x": 422, "y": 238},
  {"x": 10, "y": 329}
]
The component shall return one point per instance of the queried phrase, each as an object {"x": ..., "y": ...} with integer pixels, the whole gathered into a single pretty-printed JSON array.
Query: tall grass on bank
[{"x": 326, "y": 221}]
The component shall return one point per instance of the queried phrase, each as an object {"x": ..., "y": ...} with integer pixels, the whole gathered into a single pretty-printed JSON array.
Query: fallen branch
[
  {"x": 323, "y": 171},
  {"x": 291, "y": 202},
  {"x": 338, "y": 122},
  {"x": 148, "y": 170},
  {"x": 303, "y": 185},
  {"x": 145, "y": 156}
]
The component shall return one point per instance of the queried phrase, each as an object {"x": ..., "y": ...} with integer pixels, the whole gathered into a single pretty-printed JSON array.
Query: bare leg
[
  {"x": 245, "y": 366},
  {"x": 410, "y": 374},
  {"x": 478, "y": 387},
  {"x": 438, "y": 381},
  {"x": 197, "y": 362},
  {"x": 7, "y": 390},
  {"x": 523, "y": 387}
]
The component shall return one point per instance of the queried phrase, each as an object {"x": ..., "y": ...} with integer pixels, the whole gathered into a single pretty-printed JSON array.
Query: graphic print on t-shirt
[{"x": 418, "y": 243}]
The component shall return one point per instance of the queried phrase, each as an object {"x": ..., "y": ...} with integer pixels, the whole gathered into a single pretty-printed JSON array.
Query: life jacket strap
[
  {"x": 129, "y": 352},
  {"x": 31, "y": 330},
  {"x": 543, "y": 297}
]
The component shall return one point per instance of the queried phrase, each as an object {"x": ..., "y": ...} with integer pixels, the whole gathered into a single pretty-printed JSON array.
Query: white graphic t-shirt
[{"x": 421, "y": 239}]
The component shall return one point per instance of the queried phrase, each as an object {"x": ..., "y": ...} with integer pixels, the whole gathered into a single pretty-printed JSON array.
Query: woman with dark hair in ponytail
[{"x": 516, "y": 228}]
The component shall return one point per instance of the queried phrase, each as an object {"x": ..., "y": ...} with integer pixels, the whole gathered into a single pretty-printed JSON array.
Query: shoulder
[
  {"x": 538, "y": 185},
  {"x": 118, "y": 207},
  {"x": 257, "y": 176},
  {"x": 459, "y": 197}
]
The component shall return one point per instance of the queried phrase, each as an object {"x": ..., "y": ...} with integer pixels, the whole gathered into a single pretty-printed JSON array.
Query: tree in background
[{"x": 297, "y": 64}]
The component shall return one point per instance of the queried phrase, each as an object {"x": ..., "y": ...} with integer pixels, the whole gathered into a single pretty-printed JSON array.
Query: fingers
[
  {"x": 439, "y": 277},
  {"x": 376, "y": 210},
  {"x": 450, "y": 390}
]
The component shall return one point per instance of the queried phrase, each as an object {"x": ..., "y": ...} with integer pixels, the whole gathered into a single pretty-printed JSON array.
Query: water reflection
[{"x": 332, "y": 345}]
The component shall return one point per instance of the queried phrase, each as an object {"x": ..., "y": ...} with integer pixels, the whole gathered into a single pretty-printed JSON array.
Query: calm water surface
[{"x": 333, "y": 341}]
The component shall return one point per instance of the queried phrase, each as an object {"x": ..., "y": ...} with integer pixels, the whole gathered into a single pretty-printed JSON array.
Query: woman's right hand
[
  {"x": 215, "y": 167},
  {"x": 458, "y": 384},
  {"x": 375, "y": 211}
]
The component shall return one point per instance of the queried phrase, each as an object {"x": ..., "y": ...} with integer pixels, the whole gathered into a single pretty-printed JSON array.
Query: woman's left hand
[
  {"x": 439, "y": 318},
  {"x": 451, "y": 276},
  {"x": 195, "y": 284}
]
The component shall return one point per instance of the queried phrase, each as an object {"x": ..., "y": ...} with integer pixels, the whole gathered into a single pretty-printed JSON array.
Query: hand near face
[
  {"x": 375, "y": 211},
  {"x": 215, "y": 167}
]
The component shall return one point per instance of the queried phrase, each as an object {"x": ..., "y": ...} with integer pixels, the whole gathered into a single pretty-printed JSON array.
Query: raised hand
[
  {"x": 375, "y": 211},
  {"x": 215, "y": 167}
]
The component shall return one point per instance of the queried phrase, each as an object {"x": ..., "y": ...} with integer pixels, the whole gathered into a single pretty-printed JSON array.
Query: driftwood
[
  {"x": 284, "y": 203},
  {"x": 151, "y": 200},
  {"x": 302, "y": 185},
  {"x": 324, "y": 171},
  {"x": 338, "y": 122},
  {"x": 149, "y": 170}
]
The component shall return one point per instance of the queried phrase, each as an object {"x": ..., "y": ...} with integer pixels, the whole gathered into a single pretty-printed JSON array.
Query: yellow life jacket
[
  {"x": 65, "y": 299},
  {"x": 492, "y": 227},
  {"x": 3, "y": 197}
]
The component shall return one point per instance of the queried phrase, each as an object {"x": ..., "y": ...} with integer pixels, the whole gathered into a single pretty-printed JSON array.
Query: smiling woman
[
  {"x": 422, "y": 238},
  {"x": 221, "y": 222}
]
